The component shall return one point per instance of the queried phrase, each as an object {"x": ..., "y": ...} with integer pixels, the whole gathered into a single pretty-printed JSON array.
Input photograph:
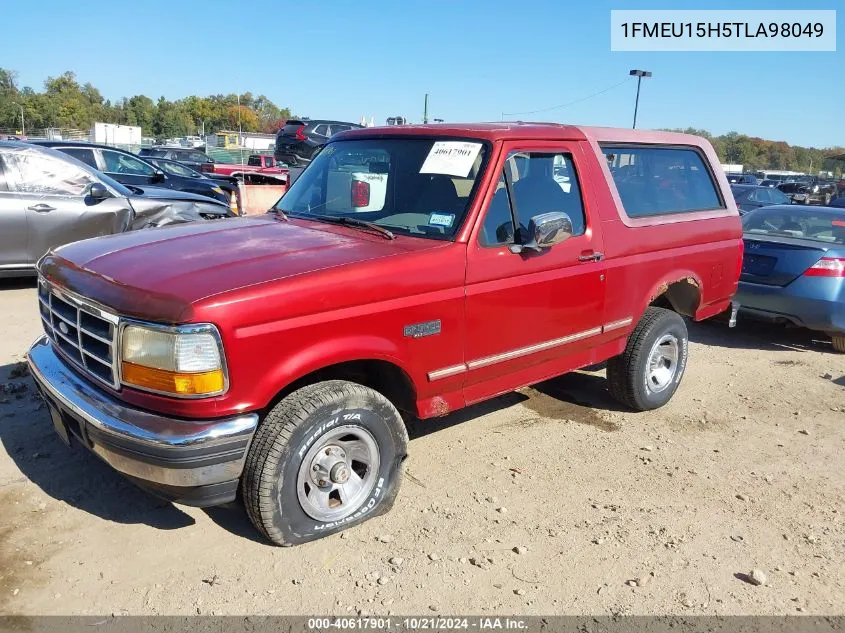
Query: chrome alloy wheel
[
  {"x": 662, "y": 363},
  {"x": 338, "y": 473}
]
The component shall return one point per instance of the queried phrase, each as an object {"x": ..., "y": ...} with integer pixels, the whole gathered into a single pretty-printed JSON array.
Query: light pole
[
  {"x": 639, "y": 74},
  {"x": 23, "y": 124}
]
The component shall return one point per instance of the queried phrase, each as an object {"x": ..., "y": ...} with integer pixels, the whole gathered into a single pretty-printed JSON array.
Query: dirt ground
[{"x": 551, "y": 500}]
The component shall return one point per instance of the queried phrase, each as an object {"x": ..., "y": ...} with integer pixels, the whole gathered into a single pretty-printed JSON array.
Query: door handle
[
  {"x": 41, "y": 208},
  {"x": 592, "y": 257}
]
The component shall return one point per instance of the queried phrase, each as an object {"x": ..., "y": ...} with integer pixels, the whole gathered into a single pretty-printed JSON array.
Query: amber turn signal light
[{"x": 179, "y": 383}]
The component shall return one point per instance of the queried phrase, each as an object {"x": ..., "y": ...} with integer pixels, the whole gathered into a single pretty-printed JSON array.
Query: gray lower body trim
[{"x": 486, "y": 361}]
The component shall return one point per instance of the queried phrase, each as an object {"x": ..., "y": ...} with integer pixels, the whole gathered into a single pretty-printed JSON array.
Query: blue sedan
[{"x": 793, "y": 270}]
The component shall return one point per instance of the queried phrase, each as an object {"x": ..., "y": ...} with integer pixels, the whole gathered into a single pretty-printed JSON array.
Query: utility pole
[
  {"x": 425, "y": 109},
  {"x": 23, "y": 123},
  {"x": 639, "y": 74}
]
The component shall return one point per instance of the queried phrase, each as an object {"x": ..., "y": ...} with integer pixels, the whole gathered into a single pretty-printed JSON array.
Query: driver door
[{"x": 528, "y": 313}]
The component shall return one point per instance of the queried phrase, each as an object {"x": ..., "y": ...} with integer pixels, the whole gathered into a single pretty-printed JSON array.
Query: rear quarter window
[{"x": 654, "y": 181}]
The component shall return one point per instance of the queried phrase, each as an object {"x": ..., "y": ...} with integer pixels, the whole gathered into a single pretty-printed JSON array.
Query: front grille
[{"x": 82, "y": 332}]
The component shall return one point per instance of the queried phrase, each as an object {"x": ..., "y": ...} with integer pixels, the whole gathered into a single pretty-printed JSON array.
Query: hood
[
  {"x": 160, "y": 193},
  {"x": 159, "y": 273}
]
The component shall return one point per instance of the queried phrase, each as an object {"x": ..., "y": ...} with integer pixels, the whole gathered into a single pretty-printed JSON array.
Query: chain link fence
[{"x": 234, "y": 156}]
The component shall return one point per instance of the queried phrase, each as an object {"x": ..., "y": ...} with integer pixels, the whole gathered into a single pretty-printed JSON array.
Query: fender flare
[{"x": 327, "y": 353}]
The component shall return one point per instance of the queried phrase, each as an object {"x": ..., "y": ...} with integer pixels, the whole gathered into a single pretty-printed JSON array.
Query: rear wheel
[
  {"x": 839, "y": 343},
  {"x": 327, "y": 457},
  {"x": 647, "y": 374}
]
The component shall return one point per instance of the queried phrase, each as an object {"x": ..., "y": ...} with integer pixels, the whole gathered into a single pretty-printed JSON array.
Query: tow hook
[{"x": 734, "y": 310}]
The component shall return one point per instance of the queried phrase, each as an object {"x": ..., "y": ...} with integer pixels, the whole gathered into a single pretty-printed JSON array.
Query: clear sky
[{"x": 477, "y": 59}]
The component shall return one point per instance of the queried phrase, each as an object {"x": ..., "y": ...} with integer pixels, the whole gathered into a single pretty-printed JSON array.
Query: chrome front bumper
[{"x": 170, "y": 455}]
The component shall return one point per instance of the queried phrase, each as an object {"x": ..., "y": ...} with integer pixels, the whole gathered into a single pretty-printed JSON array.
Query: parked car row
[
  {"x": 129, "y": 169},
  {"x": 49, "y": 198},
  {"x": 800, "y": 189}
]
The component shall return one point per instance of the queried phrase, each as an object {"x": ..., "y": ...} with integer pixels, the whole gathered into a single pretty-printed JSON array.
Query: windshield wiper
[{"x": 341, "y": 219}]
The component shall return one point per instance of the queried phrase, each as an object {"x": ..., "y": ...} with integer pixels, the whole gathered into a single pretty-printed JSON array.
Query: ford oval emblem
[{"x": 63, "y": 327}]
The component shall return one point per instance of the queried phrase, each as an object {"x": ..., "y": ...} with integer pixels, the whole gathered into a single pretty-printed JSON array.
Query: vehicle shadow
[
  {"x": 18, "y": 283},
  {"x": 575, "y": 396},
  {"x": 750, "y": 334},
  {"x": 72, "y": 475}
]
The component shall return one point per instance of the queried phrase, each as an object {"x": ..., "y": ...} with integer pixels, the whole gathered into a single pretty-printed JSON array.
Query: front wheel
[
  {"x": 327, "y": 457},
  {"x": 839, "y": 342},
  {"x": 647, "y": 374}
]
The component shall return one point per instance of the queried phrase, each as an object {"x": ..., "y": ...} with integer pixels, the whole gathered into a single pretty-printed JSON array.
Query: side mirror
[
  {"x": 97, "y": 191},
  {"x": 158, "y": 176},
  {"x": 546, "y": 230}
]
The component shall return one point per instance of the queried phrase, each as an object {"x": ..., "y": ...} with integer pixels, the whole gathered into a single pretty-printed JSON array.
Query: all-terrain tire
[
  {"x": 628, "y": 374},
  {"x": 839, "y": 343},
  {"x": 283, "y": 441}
]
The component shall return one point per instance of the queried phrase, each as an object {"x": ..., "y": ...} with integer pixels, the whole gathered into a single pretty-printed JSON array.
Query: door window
[
  {"x": 37, "y": 173},
  {"x": 82, "y": 153},
  {"x": 118, "y": 163},
  {"x": 541, "y": 182}
]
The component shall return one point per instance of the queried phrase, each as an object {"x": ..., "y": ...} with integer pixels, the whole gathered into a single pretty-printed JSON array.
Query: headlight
[{"x": 182, "y": 361}]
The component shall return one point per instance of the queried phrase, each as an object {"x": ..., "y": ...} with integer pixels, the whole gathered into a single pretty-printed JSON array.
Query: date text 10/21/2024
[{"x": 434, "y": 623}]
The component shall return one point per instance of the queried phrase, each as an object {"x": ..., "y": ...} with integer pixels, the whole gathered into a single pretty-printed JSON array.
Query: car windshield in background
[
  {"x": 816, "y": 225},
  {"x": 418, "y": 186},
  {"x": 177, "y": 169}
]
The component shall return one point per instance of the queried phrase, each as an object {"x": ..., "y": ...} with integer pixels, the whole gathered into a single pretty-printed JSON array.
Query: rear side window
[
  {"x": 321, "y": 130},
  {"x": 661, "y": 180},
  {"x": 82, "y": 153}
]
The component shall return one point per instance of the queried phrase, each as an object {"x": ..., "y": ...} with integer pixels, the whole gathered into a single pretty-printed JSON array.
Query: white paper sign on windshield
[{"x": 452, "y": 158}]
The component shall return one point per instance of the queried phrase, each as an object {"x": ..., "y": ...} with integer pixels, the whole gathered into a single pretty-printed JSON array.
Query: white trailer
[{"x": 114, "y": 134}]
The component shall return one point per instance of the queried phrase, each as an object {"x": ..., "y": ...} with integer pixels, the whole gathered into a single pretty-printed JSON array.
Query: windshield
[
  {"x": 819, "y": 226},
  {"x": 177, "y": 169},
  {"x": 418, "y": 186}
]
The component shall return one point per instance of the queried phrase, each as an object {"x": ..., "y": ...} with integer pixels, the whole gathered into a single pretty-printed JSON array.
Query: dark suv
[
  {"x": 298, "y": 141},
  {"x": 193, "y": 158}
]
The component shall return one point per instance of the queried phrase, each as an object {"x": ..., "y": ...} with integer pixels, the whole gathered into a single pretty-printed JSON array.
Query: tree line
[
  {"x": 64, "y": 103},
  {"x": 755, "y": 153}
]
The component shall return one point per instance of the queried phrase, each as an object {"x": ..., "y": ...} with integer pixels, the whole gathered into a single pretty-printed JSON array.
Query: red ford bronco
[{"x": 275, "y": 356}]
